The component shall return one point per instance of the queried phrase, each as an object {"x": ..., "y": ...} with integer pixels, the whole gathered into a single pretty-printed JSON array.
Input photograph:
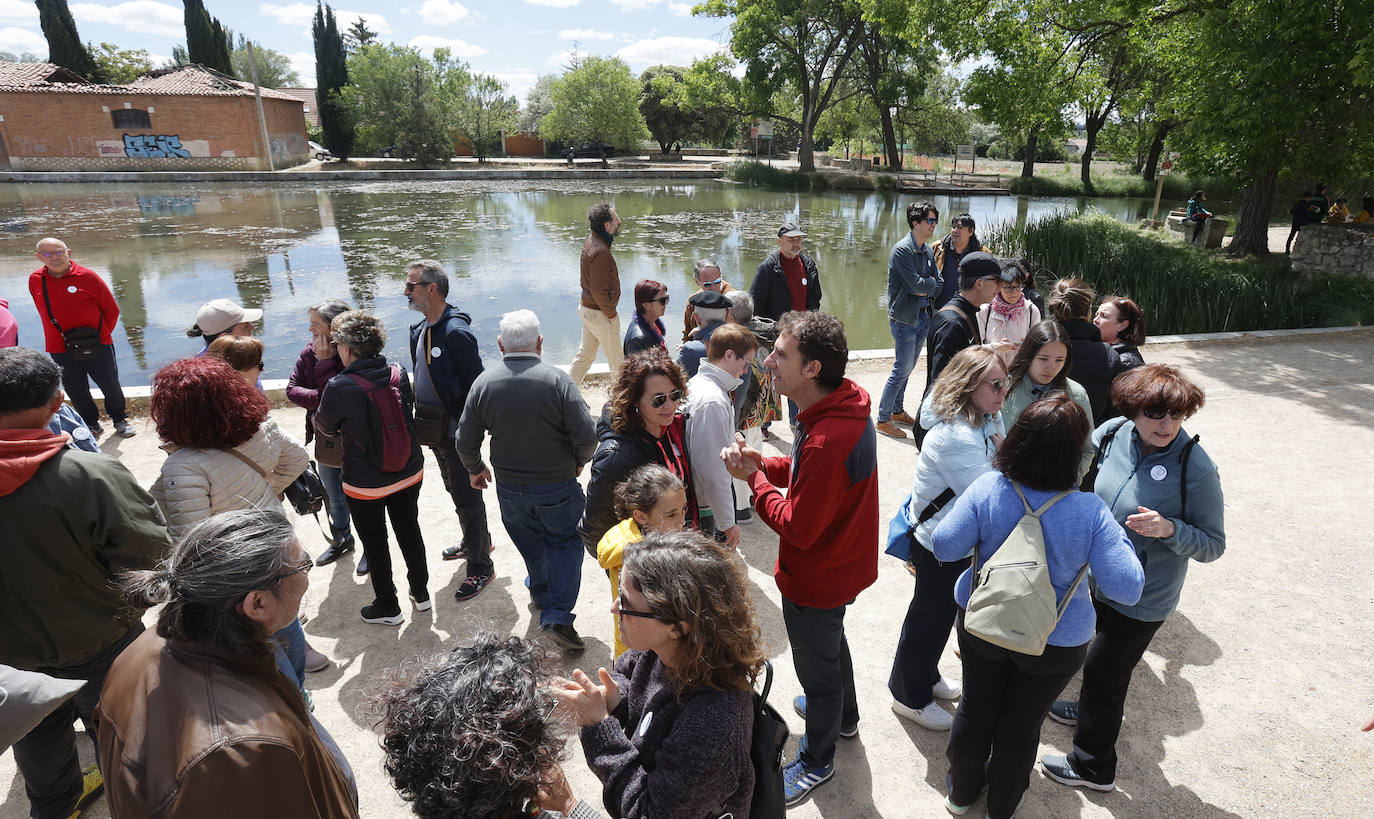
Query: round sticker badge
[
  {"x": 1158, "y": 472},
  {"x": 435, "y": 352},
  {"x": 71, "y": 288},
  {"x": 803, "y": 281}
]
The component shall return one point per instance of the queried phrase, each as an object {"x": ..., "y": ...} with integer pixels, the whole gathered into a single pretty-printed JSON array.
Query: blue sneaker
[
  {"x": 846, "y": 731},
  {"x": 799, "y": 779}
]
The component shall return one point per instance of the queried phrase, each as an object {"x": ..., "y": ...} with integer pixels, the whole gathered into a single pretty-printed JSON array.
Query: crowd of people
[{"x": 1034, "y": 408}]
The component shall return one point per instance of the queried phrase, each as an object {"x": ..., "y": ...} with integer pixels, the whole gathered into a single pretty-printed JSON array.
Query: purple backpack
[{"x": 395, "y": 435}]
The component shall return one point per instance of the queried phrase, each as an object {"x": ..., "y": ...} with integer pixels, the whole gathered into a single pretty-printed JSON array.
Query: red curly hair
[{"x": 204, "y": 403}]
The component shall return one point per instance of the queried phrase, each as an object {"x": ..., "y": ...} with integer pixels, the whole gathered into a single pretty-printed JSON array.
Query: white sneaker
[
  {"x": 947, "y": 689},
  {"x": 932, "y": 716}
]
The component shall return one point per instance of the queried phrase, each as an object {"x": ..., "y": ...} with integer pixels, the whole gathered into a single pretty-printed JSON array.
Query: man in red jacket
[
  {"x": 69, "y": 296},
  {"x": 827, "y": 528}
]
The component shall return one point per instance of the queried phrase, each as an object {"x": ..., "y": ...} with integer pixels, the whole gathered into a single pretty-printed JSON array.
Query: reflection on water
[{"x": 167, "y": 249}]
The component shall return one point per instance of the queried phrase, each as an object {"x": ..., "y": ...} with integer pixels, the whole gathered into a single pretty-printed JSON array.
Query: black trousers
[
  {"x": 104, "y": 371},
  {"x": 47, "y": 755},
  {"x": 468, "y": 504},
  {"x": 916, "y": 668},
  {"x": 996, "y": 730},
  {"x": 1115, "y": 652},
  {"x": 820, "y": 653},
  {"x": 369, "y": 518}
]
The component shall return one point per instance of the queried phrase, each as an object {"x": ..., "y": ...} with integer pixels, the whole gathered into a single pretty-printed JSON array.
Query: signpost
[
  {"x": 965, "y": 152},
  {"x": 763, "y": 129},
  {"x": 1159, "y": 187}
]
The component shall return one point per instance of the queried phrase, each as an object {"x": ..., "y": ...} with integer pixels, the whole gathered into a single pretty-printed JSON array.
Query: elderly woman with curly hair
[
  {"x": 474, "y": 735},
  {"x": 668, "y": 730},
  {"x": 640, "y": 425}
]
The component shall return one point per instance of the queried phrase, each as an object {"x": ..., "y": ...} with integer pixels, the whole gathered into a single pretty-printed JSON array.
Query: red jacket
[
  {"x": 828, "y": 524},
  {"x": 79, "y": 299}
]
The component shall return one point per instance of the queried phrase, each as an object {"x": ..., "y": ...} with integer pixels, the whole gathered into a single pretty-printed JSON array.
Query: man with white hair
[{"x": 541, "y": 437}]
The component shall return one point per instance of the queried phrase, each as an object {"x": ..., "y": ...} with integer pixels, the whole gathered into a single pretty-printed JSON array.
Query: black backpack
[
  {"x": 770, "y": 735},
  {"x": 1089, "y": 482}
]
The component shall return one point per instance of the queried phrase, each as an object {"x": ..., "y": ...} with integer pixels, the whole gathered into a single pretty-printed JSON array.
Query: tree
[
  {"x": 935, "y": 122},
  {"x": 274, "y": 67},
  {"x": 538, "y": 102},
  {"x": 331, "y": 77},
  {"x": 64, "y": 44},
  {"x": 207, "y": 42},
  {"x": 359, "y": 35},
  {"x": 26, "y": 57},
  {"x": 894, "y": 58},
  {"x": 120, "y": 65},
  {"x": 667, "y": 119},
  {"x": 398, "y": 97},
  {"x": 807, "y": 43},
  {"x": 596, "y": 101},
  {"x": 1105, "y": 79},
  {"x": 484, "y": 110}
]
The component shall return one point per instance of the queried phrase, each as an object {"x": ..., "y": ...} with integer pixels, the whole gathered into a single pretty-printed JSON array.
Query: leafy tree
[
  {"x": 935, "y": 122},
  {"x": 598, "y": 100},
  {"x": 1105, "y": 79},
  {"x": 894, "y": 59},
  {"x": 179, "y": 57},
  {"x": 274, "y": 67},
  {"x": 807, "y": 43},
  {"x": 399, "y": 97},
  {"x": 538, "y": 102},
  {"x": 121, "y": 65},
  {"x": 331, "y": 77},
  {"x": 484, "y": 110},
  {"x": 207, "y": 42},
  {"x": 359, "y": 35},
  {"x": 668, "y": 120},
  {"x": 64, "y": 44}
]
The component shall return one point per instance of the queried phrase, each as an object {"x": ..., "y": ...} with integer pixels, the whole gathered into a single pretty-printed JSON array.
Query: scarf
[{"x": 1005, "y": 310}]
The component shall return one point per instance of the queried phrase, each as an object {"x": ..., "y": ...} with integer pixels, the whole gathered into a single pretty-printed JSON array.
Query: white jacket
[
  {"x": 993, "y": 328},
  {"x": 711, "y": 428},
  {"x": 953, "y": 455},
  {"x": 198, "y": 483}
]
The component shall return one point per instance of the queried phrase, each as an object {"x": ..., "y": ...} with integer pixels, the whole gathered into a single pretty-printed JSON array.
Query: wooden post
[
  {"x": 1159, "y": 190},
  {"x": 262, "y": 118}
]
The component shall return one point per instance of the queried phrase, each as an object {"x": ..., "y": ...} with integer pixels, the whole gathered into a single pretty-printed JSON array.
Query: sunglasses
[
  {"x": 302, "y": 567},
  {"x": 624, "y": 609},
  {"x": 715, "y": 283},
  {"x": 930, "y": 220},
  {"x": 999, "y": 384},
  {"x": 660, "y": 399},
  {"x": 1157, "y": 414},
  {"x": 661, "y": 299},
  {"x": 412, "y": 285}
]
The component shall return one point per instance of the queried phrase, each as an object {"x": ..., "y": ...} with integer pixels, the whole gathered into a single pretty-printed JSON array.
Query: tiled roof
[
  {"x": 185, "y": 80},
  {"x": 307, "y": 96}
]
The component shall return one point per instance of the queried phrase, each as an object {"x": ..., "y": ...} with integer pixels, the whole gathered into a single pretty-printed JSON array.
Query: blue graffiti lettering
[{"x": 150, "y": 146}]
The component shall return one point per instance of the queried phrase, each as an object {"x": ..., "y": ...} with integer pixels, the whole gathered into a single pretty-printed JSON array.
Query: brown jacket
[
  {"x": 188, "y": 730},
  {"x": 600, "y": 276},
  {"x": 689, "y": 322}
]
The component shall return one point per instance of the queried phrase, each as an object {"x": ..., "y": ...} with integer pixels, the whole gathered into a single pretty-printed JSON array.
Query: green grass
[
  {"x": 1176, "y": 188},
  {"x": 1183, "y": 289},
  {"x": 760, "y": 175}
]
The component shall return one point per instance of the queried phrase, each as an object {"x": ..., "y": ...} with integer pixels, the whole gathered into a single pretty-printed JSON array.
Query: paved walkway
[{"x": 1247, "y": 705}]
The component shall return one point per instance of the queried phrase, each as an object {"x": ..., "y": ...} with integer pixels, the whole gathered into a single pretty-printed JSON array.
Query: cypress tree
[
  {"x": 64, "y": 44},
  {"x": 206, "y": 41},
  {"x": 331, "y": 75}
]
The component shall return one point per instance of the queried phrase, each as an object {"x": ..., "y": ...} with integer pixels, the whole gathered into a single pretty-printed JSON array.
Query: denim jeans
[
  {"x": 101, "y": 369},
  {"x": 290, "y": 652},
  {"x": 907, "y": 340},
  {"x": 542, "y": 522},
  {"x": 332, "y": 478}
]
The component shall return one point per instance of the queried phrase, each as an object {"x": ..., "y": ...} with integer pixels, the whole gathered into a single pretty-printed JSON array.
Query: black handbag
[
  {"x": 770, "y": 735},
  {"x": 431, "y": 424},
  {"x": 306, "y": 492},
  {"x": 82, "y": 342}
]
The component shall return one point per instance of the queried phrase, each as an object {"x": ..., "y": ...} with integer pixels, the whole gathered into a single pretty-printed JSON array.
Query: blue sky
[{"x": 516, "y": 40}]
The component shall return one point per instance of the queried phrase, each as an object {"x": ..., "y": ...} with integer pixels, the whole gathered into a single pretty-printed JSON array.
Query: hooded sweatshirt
[
  {"x": 9, "y": 328},
  {"x": 827, "y": 524}
]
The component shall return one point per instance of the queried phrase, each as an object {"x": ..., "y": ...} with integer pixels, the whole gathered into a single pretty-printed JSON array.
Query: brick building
[{"x": 184, "y": 118}]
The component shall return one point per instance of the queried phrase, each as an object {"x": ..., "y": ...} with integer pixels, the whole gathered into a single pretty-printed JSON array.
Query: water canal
[{"x": 167, "y": 249}]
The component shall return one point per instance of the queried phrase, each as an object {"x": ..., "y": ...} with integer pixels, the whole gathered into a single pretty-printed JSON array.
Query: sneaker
[
  {"x": 422, "y": 603},
  {"x": 565, "y": 635},
  {"x": 903, "y": 418},
  {"x": 846, "y": 731},
  {"x": 92, "y": 785},
  {"x": 799, "y": 779},
  {"x": 957, "y": 810},
  {"x": 124, "y": 429},
  {"x": 744, "y": 516},
  {"x": 96, "y": 432},
  {"x": 947, "y": 689},
  {"x": 1065, "y": 712},
  {"x": 333, "y": 553},
  {"x": 1057, "y": 767},
  {"x": 472, "y": 586},
  {"x": 932, "y": 716},
  {"x": 362, "y": 565},
  {"x": 461, "y": 551},
  {"x": 314, "y": 660},
  {"x": 890, "y": 429},
  {"x": 376, "y": 614}
]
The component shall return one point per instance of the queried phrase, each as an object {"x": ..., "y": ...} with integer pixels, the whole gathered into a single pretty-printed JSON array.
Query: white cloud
[
  {"x": 302, "y": 14},
  {"x": 557, "y": 4},
  {"x": 303, "y": 63},
  {"x": 142, "y": 16},
  {"x": 680, "y": 9},
  {"x": 636, "y": 5},
  {"x": 671, "y": 50},
  {"x": 20, "y": 40},
  {"x": 18, "y": 11},
  {"x": 518, "y": 83},
  {"x": 457, "y": 47},
  {"x": 584, "y": 34},
  {"x": 442, "y": 12},
  {"x": 559, "y": 58}
]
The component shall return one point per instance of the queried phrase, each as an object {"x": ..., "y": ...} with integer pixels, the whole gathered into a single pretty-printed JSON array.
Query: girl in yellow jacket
[{"x": 650, "y": 499}]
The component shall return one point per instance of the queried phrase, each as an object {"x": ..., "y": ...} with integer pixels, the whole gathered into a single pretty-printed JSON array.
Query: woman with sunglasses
[
  {"x": 640, "y": 425},
  {"x": 963, "y": 415},
  {"x": 652, "y": 499},
  {"x": 1166, "y": 493},
  {"x": 647, "y": 330},
  {"x": 1041, "y": 366},
  {"x": 668, "y": 729},
  {"x": 1009, "y": 317}
]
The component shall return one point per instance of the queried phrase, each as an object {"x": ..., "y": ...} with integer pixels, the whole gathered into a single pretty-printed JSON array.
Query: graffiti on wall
[{"x": 156, "y": 146}]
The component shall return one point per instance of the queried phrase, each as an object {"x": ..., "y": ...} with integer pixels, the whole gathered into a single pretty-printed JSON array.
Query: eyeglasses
[
  {"x": 661, "y": 299},
  {"x": 1015, "y": 288},
  {"x": 999, "y": 384},
  {"x": 1157, "y": 414},
  {"x": 930, "y": 220},
  {"x": 303, "y": 566},
  {"x": 52, "y": 254},
  {"x": 990, "y": 278},
  {"x": 623, "y": 608},
  {"x": 715, "y": 283},
  {"x": 659, "y": 399},
  {"x": 412, "y": 285}
]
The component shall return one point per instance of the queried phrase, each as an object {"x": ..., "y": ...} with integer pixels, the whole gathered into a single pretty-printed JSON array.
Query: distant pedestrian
[
  {"x": 646, "y": 328},
  {"x": 786, "y": 280},
  {"x": 710, "y": 310},
  {"x": 1198, "y": 214},
  {"x": 1339, "y": 213},
  {"x": 1366, "y": 210},
  {"x": 1318, "y": 205},
  {"x": 949, "y": 251},
  {"x": 1301, "y": 211},
  {"x": 600, "y": 279},
  {"x": 80, "y": 314},
  {"x": 541, "y": 437},
  {"x": 912, "y": 281},
  {"x": 706, "y": 273}
]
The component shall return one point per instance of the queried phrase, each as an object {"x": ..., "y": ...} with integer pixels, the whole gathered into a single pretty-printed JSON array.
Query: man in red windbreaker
[
  {"x": 69, "y": 296},
  {"x": 827, "y": 528}
]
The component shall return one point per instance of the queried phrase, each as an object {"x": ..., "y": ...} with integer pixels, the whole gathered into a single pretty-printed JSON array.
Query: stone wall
[{"x": 1347, "y": 248}]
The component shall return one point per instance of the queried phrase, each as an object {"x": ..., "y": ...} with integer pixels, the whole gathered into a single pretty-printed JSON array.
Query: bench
[{"x": 1211, "y": 236}]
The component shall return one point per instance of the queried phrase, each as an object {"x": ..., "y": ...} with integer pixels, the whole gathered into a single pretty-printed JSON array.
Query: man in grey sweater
[{"x": 541, "y": 437}]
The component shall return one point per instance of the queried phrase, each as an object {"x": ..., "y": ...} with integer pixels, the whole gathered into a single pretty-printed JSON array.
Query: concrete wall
[
  {"x": 55, "y": 131},
  {"x": 1347, "y": 248}
]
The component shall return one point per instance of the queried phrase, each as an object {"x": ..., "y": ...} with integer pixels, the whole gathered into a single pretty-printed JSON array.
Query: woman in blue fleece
[
  {"x": 1006, "y": 693},
  {"x": 1164, "y": 489}
]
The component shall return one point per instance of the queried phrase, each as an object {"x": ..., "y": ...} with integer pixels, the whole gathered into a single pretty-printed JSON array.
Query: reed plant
[{"x": 1183, "y": 289}]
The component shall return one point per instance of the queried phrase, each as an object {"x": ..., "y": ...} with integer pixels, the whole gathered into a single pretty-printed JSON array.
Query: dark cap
[
  {"x": 789, "y": 228},
  {"x": 709, "y": 299},
  {"x": 980, "y": 264}
]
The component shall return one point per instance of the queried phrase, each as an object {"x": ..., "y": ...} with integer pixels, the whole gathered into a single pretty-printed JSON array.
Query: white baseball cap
[{"x": 221, "y": 315}]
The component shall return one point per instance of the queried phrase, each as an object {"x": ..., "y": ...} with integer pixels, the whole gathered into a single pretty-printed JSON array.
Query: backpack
[
  {"x": 770, "y": 735},
  {"x": 1089, "y": 482},
  {"x": 394, "y": 434},
  {"x": 1011, "y": 603}
]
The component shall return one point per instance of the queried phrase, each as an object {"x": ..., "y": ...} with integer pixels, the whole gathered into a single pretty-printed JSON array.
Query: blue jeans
[
  {"x": 332, "y": 478},
  {"x": 907, "y": 340},
  {"x": 542, "y": 522}
]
